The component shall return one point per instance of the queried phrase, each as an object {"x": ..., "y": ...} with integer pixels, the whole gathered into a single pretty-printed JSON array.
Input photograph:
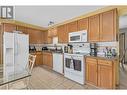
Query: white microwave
[{"x": 79, "y": 36}]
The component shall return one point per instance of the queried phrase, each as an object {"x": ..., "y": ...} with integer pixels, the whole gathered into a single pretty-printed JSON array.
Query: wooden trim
[
  {"x": 122, "y": 10},
  {"x": 22, "y": 24}
]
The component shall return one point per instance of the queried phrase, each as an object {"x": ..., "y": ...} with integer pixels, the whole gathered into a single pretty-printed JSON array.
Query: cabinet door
[
  {"x": 47, "y": 59},
  {"x": 105, "y": 74},
  {"x": 35, "y": 36},
  {"x": 39, "y": 59},
  {"x": 44, "y": 59},
  {"x": 72, "y": 27},
  {"x": 93, "y": 28},
  {"x": 22, "y": 29},
  {"x": 62, "y": 34},
  {"x": 47, "y": 40},
  {"x": 91, "y": 71},
  {"x": 83, "y": 24},
  {"x": 49, "y": 33},
  {"x": 50, "y": 60},
  {"x": 9, "y": 27},
  {"x": 108, "y": 25},
  {"x": 52, "y": 32}
]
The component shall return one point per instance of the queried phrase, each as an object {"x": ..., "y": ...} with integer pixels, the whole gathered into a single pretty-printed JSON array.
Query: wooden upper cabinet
[
  {"x": 52, "y": 32},
  {"x": 46, "y": 38},
  {"x": 72, "y": 27},
  {"x": 94, "y": 27},
  {"x": 62, "y": 34},
  {"x": 108, "y": 25},
  {"x": 35, "y": 36},
  {"x": 22, "y": 29},
  {"x": 9, "y": 27},
  {"x": 91, "y": 71},
  {"x": 83, "y": 24}
]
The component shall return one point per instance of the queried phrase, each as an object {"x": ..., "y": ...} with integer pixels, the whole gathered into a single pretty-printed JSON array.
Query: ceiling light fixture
[{"x": 50, "y": 23}]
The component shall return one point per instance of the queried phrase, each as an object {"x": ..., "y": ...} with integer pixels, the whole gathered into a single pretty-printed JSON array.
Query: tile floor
[{"x": 44, "y": 78}]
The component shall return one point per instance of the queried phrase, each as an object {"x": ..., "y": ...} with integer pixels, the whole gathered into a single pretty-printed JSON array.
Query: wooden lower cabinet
[
  {"x": 48, "y": 59},
  {"x": 39, "y": 59},
  {"x": 91, "y": 71},
  {"x": 101, "y": 73},
  {"x": 105, "y": 74}
]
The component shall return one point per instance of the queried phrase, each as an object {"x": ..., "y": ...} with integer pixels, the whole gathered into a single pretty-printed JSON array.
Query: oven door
[{"x": 77, "y": 64}]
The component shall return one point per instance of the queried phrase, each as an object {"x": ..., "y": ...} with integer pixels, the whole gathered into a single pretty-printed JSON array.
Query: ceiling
[{"x": 42, "y": 15}]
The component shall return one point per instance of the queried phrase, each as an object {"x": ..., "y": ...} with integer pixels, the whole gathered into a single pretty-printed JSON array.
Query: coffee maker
[{"x": 93, "y": 49}]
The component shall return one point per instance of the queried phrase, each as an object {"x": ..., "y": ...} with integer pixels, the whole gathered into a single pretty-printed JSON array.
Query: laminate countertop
[
  {"x": 104, "y": 58},
  {"x": 45, "y": 51}
]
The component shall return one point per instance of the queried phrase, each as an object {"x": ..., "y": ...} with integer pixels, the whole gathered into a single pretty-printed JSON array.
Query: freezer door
[
  {"x": 8, "y": 54},
  {"x": 21, "y": 51}
]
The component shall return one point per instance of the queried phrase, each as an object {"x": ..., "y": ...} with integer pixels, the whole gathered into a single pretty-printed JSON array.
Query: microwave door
[{"x": 75, "y": 38}]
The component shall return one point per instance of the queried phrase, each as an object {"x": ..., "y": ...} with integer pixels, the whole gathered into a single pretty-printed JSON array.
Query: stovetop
[{"x": 78, "y": 53}]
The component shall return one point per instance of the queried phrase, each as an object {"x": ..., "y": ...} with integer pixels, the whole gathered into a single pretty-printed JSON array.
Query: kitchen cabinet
[
  {"x": 72, "y": 27},
  {"x": 23, "y": 29},
  {"x": 39, "y": 58},
  {"x": 62, "y": 34},
  {"x": 105, "y": 74},
  {"x": 108, "y": 25},
  {"x": 83, "y": 24},
  {"x": 52, "y": 32},
  {"x": 91, "y": 71},
  {"x": 101, "y": 73},
  {"x": 47, "y": 40},
  {"x": 8, "y": 27},
  {"x": 48, "y": 59},
  {"x": 94, "y": 27},
  {"x": 35, "y": 36}
]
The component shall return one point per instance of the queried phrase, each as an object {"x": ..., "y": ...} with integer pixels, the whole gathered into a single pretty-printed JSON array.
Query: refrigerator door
[
  {"x": 8, "y": 53},
  {"x": 21, "y": 52}
]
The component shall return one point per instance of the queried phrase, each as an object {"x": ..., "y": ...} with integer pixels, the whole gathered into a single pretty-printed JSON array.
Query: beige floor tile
[
  {"x": 61, "y": 87},
  {"x": 78, "y": 86},
  {"x": 68, "y": 84},
  {"x": 56, "y": 82}
]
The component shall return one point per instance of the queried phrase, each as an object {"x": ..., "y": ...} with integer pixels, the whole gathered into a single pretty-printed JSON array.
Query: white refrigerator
[{"x": 16, "y": 52}]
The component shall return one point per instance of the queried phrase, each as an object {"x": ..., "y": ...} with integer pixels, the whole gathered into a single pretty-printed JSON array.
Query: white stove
[{"x": 74, "y": 66}]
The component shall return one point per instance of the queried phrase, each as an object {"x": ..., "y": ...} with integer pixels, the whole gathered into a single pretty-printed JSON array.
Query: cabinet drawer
[
  {"x": 91, "y": 59},
  {"x": 105, "y": 62}
]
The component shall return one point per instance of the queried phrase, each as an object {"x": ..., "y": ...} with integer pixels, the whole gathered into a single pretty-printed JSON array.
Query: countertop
[
  {"x": 104, "y": 58},
  {"x": 96, "y": 57},
  {"x": 46, "y": 51}
]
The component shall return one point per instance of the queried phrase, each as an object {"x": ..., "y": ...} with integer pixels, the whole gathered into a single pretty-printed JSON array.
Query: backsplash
[
  {"x": 102, "y": 47},
  {"x": 80, "y": 47}
]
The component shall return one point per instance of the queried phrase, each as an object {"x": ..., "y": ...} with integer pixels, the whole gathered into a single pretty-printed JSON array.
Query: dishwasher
[{"x": 58, "y": 62}]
